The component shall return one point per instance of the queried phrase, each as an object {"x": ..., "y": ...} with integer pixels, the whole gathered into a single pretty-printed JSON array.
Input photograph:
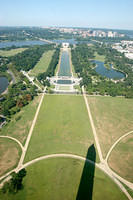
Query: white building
[{"x": 65, "y": 45}]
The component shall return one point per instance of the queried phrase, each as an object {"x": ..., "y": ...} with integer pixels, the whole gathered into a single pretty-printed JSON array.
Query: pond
[
  {"x": 3, "y": 84},
  {"x": 22, "y": 43},
  {"x": 109, "y": 73}
]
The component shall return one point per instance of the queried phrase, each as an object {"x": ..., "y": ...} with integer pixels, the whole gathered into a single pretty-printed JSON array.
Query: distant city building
[{"x": 88, "y": 32}]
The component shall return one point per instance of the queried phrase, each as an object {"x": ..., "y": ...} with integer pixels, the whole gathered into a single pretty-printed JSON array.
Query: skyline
[{"x": 96, "y": 14}]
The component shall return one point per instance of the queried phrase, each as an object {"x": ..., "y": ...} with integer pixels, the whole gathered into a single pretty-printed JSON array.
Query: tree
[{"x": 15, "y": 183}]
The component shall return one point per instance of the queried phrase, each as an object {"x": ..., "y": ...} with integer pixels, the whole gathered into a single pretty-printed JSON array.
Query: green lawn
[
  {"x": 59, "y": 179},
  {"x": 19, "y": 128},
  {"x": 99, "y": 57},
  {"x": 122, "y": 155},
  {"x": 113, "y": 117},
  {"x": 11, "y": 52},
  {"x": 43, "y": 63},
  {"x": 62, "y": 127},
  {"x": 10, "y": 153}
]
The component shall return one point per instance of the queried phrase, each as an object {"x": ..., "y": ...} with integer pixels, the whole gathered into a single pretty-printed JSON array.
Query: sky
[{"x": 112, "y": 14}]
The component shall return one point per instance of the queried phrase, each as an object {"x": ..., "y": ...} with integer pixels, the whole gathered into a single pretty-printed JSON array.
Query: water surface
[
  {"x": 109, "y": 73},
  {"x": 3, "y": 84},
  {"x": 22, "y": 43},
  {"x": 64, "y": 65}
]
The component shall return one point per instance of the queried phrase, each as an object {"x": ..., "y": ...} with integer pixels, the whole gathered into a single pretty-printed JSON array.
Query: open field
[
  {"x": 122, "y": 155},
  {"x": 62, "y": 127},
  {"x": 21, "y": 122},
  {"x": 112, "y": 117},
  {"x": 43, "y": 63},
  {"x": 11, "y": 52},
  {"x": 9, "y": 154},
  {"x": 99, "y": 57},
  {"x": 59, "y": 179}
]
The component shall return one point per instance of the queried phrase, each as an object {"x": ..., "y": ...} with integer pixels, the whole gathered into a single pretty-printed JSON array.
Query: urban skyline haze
[{"x": 75, "y": 13}]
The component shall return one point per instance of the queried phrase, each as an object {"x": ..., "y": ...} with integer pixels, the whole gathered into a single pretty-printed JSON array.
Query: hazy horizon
[{"x": 86, "y": 14}]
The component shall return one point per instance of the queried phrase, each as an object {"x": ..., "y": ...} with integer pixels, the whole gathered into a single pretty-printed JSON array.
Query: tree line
[{"x": 28, "y": 58}]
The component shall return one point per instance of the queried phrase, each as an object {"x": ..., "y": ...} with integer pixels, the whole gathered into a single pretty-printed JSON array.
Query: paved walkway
[
  {"x": 103, "y": 163},
  {"x": 100, "y": 166},
  {"x": 30, "y": 133},
  {"x": 93, "y": 126}
]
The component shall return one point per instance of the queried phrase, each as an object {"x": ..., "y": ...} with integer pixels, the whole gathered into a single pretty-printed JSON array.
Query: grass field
[
  {"x": 43, "y": 63},
  {"x": 19, "y": 128},
  {"x": 59, "y": 179},
  {"x": 99, "y": 57},
  {"x": 11, "y": 52},
  {"x": 9, "y": 154},
  {"x": 122, "y": 156},
  {"x": 62, "y": 127},
  {"x": 112, "y": 117}
]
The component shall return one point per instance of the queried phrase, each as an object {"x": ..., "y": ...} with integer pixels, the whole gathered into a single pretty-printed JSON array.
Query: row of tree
[{"x": 28, "y": 58}]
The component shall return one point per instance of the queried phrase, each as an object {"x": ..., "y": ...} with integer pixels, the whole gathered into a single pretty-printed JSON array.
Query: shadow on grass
[{"x": 85, "y": 190}]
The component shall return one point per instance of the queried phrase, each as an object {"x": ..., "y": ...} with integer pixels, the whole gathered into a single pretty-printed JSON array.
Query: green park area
[
  {"x": 9, "y": 155},
  {"x": 20, "y": 123},
  {"x": 62, "y": 127},
  {"x": 99, "y": 57},
  {"x": 122, "y": 156},
  {"x": 11, "y": 52},
  {"x": 113, "y": 118},
  {"x": 64, "y": 179},
  {"x": 42, "y": 64}
]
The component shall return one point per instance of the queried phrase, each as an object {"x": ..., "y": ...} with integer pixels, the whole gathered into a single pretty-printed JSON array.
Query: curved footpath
[
  {"x": 103, "y": 165},
  {"x": 12, "y": 138},
  {"x": 79, "y": 158},
  {"x": 117, "y": 141}
]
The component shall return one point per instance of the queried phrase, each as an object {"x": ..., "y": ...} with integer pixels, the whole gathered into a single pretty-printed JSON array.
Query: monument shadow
[{"x": 85, "y": 190}]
